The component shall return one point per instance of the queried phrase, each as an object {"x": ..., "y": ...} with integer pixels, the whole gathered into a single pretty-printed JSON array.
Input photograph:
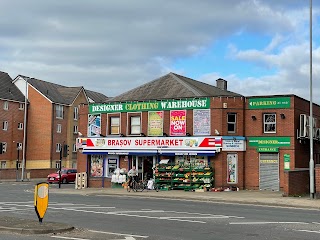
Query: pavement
[{"x": 265, "y": 198}]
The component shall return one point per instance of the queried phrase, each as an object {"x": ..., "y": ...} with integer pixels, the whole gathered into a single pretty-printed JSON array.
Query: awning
[{"x": 151, "y": 152}]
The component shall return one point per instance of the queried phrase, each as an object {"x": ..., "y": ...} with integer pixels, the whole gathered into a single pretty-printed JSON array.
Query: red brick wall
[
  {"x": 34, "y": 173},
  {"x": 39, "y": 131},
  {"x": 13, "y": 135},
  {"x": 296, "y": 182}
]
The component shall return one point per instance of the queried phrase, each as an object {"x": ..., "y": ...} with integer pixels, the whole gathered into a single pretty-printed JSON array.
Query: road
[{"x": 117, "y": 217}]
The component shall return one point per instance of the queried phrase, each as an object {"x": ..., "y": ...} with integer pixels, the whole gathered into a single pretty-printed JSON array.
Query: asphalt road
[{"x": 129, "y": 218}]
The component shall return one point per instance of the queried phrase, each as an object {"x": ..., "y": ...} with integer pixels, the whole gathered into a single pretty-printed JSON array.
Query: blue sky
[{"x": 261, "y": 47}]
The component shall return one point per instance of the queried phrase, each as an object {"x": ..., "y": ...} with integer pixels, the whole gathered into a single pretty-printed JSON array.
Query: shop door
[{"x": 269, "y": 171}]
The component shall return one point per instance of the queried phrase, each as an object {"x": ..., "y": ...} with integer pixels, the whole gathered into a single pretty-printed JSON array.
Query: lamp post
[
  {"x": 311, "y": 162},
  {"x": 24, "y": 131}
]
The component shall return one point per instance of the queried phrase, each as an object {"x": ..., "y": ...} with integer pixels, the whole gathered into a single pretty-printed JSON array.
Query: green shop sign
[
  {"x": 269, "y": 141},
  {"x": 268, "y": 149},
  {"x": 263, "y": 103},
  {"x": 200, "y": 103}
]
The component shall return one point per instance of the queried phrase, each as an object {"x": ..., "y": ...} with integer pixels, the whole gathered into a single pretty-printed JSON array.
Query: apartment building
[{"x": 12, "y": 106}]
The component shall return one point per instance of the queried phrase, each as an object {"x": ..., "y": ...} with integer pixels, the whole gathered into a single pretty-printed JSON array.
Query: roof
[
  {"x": 62, "y": 94},
  {"x": 8, "y": 90},
  {"x": 172, "y": 86},
  {"x": 96, "y": 97}
]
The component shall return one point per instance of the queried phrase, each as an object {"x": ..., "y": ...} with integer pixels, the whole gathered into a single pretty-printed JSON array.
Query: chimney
[{"x": 222, "y": 84}]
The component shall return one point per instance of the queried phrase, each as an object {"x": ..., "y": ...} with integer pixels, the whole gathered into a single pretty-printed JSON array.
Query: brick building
[
  {"x": 12, "y": 122},
  {"x": 249, "y": 142}
]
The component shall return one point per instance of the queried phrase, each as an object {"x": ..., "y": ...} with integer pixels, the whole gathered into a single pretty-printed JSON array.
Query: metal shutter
[{"x": 269, "y": 171}]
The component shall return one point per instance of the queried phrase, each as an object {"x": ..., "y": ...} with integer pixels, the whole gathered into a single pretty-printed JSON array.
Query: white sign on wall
[{"x": 233, "y": 145}]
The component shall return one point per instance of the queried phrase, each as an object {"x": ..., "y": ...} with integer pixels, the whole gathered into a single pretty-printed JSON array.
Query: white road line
[
  {"x": 198, "y": 217},
  {"x": 315, "y": 222},
  {"x": 161, "y": 218},
  {"x": 120, "y": 234},
  {"x": 310, "y": 231},
  {"x": 70, "y": 238},
  {"x": 253, "y": 223}
]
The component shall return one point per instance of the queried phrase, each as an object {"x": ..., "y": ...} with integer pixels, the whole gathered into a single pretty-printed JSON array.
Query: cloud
[{"x": 114, "y": 46}]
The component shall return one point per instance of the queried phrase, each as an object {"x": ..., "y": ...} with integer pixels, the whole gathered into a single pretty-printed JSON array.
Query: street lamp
[{"x": 311, "y": 162}]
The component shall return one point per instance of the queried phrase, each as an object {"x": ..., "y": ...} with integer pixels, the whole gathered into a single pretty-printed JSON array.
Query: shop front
[{"x": 109, "y": 156}]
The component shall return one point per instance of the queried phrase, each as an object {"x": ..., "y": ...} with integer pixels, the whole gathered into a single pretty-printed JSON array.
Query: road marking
[
  {"x": 120, "y": 234},
  {"x": 247, "y": 223},
  {"x": 310, "y": 231},
  {"x": 70, "y": 238},
  {"x": 161, "y": 218}
]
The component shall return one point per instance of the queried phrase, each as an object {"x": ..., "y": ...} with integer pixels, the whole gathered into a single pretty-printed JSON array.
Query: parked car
[{"x": 67, "y": 175}]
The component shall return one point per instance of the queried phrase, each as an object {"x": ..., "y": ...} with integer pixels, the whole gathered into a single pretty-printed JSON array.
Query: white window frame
[
  {"x": 3, "y": 164},
  {"x": 134, "y": 124},
  {"x": 20, "y": 126},
  {"x": 4, "y": 146},
  {"x": 19, "y": 145},
  {"x": 75, "y": 129},
  {"x": 269, "y": 123},
  {"x": 75, "y": 113},
  {"x": 5, "y": 125},
  {"x": 21, "y": 106},
  {"x": 59, "y": 128},
  {"x": 74, "y": 148},
  {"x": 58, "y": 147},
  {"x": 6, "y": 105},
  {"x": 59, "y": 111},
  {"x": 57, "y": 164},
  {"x": 232, "y": 123},
  {"x": 114, "y": 125}
]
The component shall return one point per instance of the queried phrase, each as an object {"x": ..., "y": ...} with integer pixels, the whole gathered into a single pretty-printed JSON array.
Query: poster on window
[
  {"x": 178, "y": 122},
  {"x": 94, "y": 125},
  {"x": 201, "y": 122},
  {"x": 155, "y": 123},
  {"x": 96, "y": 168},
  {"x": 232, "y": 163}
]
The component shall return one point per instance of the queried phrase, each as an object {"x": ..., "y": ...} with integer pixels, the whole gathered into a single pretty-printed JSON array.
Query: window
[
  {"x": 232, "y": 121},
  {"x": 74, "y": 148},
  {"x": 3, "y": 164},
  {"x": 58, "y": 164},
  {"x": 269, "y": 122},
  {"x": 115, "y": 125},
  {"x": 75, "y": 129},
  {"x": 21, "y": 106},
  {"x": 20, "y": 126},
  {"x": 58, "y": 147},
  {"x": 135, "y": 125},
  {"x": 76, "y": 113},
  {"x": 4, "y": 147},
  {"x": 19, "y": 146},
  {"x": 59, "y": 111},
  {"x": 59, "y": 128},
  {"x": 6, "y": 105},
  {"x": 5, "y": 125}
]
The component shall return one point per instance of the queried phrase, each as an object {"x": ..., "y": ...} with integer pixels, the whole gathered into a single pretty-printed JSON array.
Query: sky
[{"x": 261, "y": 47}]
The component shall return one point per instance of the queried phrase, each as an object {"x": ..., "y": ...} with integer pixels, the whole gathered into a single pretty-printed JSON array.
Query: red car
[{"x": 67, "y": 175}]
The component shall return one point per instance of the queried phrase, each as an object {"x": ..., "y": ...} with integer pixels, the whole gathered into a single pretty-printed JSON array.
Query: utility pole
[{"x": 311, "y": 162}]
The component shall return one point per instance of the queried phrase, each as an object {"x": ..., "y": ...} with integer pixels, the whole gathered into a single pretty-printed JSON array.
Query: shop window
[
  {"x": 232, "y": 121},
  {"x": 96, "y": 168},
  {"x": 114, "y": 125},
  {"x": 5, "y": 125},
  {"x": 135, "y": 125},
  {"x": 20, "y": 126},
  {"x": 76, "y": 113},
  {"x": 269, "y": 122},
  {"x": 59, "y": 128},
  {"x": 59, "y": 111},
  {"x": 6, "y": 105}
]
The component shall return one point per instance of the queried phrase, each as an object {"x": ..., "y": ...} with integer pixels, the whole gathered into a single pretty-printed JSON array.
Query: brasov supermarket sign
[
  {"x": 150, "y": 142},
  {"x": 200, "y": 103}
]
